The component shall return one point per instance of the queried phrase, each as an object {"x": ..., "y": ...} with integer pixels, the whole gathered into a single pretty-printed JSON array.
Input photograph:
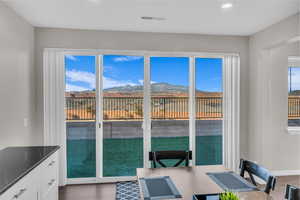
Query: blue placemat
[
  {"x": 155, "y": 188},
  {"x": 230, "y": 181}
]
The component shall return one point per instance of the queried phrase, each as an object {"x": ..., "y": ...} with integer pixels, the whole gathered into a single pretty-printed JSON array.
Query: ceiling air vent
[{"x": 152, "y": 18}]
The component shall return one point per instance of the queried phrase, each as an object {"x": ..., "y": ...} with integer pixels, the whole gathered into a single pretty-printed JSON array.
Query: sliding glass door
[
  {"x": 120, "y": 107},
  {"x": 80, "y": 112},
  {"x": 169, "y": 103},
  {"x": 209, "y": 111},
  {"x": 122, "y": 96}
]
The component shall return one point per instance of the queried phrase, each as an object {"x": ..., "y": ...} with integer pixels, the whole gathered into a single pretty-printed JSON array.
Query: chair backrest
[
  {"x": 254, "y": 169},
  {"x": 157, "y": 156},
  {"x": 292, "y": 193}
]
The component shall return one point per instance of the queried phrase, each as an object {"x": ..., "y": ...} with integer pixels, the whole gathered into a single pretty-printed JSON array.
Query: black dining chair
[
  {"x": 182, "y": 156},
  {"x": 254, "y": 169},
  {"x": 292, "y": 193}
]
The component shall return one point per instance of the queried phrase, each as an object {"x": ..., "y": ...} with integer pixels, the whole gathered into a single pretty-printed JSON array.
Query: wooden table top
[{"x": 193, "y": 180}]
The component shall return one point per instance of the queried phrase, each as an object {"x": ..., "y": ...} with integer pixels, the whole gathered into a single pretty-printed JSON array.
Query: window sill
[{"x": 294, "y": 130}]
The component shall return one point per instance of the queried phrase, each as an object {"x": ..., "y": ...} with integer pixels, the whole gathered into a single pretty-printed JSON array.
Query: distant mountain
[
  {"x": 160, "y": 89},
  {"x": 155, "y": 88},
  {"x": 168, "y": 88},
  {"x": 126, "y": 89}
]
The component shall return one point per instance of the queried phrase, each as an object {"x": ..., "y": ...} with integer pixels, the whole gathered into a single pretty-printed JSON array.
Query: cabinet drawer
[
  {"x": 52, "y": 194},
  {"x": 49, "y": 184},
  {"x": 49, "y": 174},
  {"x": 25, "y": 189},
  {"x": 39, "y": 183},
  {"x": 51, "y": 163}
]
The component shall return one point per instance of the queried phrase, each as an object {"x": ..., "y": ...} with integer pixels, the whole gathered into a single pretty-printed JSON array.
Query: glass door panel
[
  {"x": 123, "y": 87},
  {"x": 169, "y": 103},
  {"x": 294, "y": 97},
  {"x": 209, "y": 111},
  {"x": 80, "y": 97}
]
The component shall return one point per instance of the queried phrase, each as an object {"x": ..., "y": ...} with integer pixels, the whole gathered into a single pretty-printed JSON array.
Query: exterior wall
[
  {"x": 114, "y": 40},
  {"x": 17, "y": 80},
  {"x": 133, "y": 129},
  {"x": 269, "y": 141}
]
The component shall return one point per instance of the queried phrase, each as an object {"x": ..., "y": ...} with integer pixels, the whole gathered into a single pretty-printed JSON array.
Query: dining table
[{"x": 194, "y": 180}]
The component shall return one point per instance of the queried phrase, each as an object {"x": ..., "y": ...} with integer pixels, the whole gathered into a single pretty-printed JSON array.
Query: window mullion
[
  {"x": 147, "y": 112},
  {"x": 99, "y": 117},
  {"x": 192, "y": 110}
]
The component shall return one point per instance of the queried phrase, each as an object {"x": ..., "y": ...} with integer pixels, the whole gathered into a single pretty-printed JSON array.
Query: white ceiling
[{"x": 182, "y": 16}]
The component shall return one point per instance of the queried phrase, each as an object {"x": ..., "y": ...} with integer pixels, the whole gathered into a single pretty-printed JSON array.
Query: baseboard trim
[{"x": 285, "y": 172}]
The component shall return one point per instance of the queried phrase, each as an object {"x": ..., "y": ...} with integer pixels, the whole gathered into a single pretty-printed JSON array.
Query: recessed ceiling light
[
  {"x": 226, "y": 5},
  {"x": 153, "y": 18}
]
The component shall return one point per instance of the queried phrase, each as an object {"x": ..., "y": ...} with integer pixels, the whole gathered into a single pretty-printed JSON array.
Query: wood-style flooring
[{"x": 107, "y": 191}]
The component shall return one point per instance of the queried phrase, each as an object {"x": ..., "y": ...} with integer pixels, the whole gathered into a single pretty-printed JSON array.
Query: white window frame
[
  {"x": 293, "y": 61},
  {"x": 147, "y": 118}
]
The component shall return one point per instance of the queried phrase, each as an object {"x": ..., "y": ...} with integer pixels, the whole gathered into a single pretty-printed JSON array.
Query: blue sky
[
  {"x": 170, "y": 70},
  {"x": 208, "y": 74},
  {"x": 128, "y": 70},
  {"x": 294, "y": 78}
]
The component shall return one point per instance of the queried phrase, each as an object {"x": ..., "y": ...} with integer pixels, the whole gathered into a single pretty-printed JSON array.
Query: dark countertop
[{"x": 16, "y": 162}]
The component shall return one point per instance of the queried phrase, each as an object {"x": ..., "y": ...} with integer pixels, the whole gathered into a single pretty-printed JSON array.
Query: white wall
[
  {"x": 263, "y": 84},
  {"x": 85, "y": 39},
  {"x": 17, "y": 87},
  {"x": 264, "y": 137},
  {"x": 269, "y": 141}
]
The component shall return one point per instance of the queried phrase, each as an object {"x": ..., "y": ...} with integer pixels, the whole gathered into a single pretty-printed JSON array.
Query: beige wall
[
  {"x": 17, "y": 88},
  {"x": 269, "y": 141},
  {"x": 84, "y": 39}
]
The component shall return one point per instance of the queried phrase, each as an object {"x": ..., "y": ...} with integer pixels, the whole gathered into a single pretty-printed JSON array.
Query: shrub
[{"x": 229, "y": 196}]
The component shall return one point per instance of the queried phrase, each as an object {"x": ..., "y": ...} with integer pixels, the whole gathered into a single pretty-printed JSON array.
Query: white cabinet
[
  {"x": 24, "y": 189},
  {"x": 49, "y": 178},
  {"x": 51, "y": 195},
  {"x": 39, "y": 184}
]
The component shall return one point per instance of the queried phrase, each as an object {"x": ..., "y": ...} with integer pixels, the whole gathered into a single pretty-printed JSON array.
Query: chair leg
[
  {"x": 252, "y": 179},
  {"x": 154, "y": 160}
]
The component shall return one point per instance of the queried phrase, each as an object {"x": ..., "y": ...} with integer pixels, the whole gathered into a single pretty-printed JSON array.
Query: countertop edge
[{"x": 13, "y": 182}]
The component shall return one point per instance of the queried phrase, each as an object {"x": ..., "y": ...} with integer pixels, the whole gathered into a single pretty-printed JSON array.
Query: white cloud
[
  {"x": 110, "y": 83},
  {"x": 70, "y": 57},
  {"x": 142, "y": 82},
  {"x": 82, "y": 76},
  {"x": 73, "y": 88},
  {"x": 90, "y": 79},
  {"x": 127, "y": 58}
]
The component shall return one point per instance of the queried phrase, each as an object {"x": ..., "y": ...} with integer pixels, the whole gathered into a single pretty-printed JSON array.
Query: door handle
[{"x": 143, "y": 126}]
